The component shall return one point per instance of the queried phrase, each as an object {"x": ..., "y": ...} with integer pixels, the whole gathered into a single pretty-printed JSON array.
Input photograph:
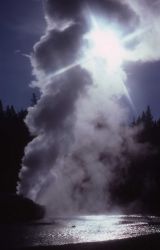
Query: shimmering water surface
[{"x": 77, "y": 230}]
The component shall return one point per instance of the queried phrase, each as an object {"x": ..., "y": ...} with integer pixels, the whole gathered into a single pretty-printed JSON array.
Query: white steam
[{"x": 79, "y": 122}]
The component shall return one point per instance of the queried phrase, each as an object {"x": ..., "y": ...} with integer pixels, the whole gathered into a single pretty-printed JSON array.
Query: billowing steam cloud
[{"x": 79, "y": 121}]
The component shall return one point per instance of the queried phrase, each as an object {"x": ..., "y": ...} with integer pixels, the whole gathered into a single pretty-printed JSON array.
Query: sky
[{"x": 21, "y": 25}]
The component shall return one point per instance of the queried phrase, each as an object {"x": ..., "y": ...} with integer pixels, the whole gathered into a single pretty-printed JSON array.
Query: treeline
[
  {"x": 137, "y": 187},
  {"x": 14, "y": 136}
]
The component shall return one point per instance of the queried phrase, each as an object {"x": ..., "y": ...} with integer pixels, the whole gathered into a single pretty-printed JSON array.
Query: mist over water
[{"x": 79, "y": 123}]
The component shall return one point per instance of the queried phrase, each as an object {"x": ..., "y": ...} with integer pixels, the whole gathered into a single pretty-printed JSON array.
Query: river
[{"x": 78, "y": 229}]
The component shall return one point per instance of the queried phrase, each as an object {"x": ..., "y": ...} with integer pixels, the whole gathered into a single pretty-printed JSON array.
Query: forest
[
  {"x": 135, "y": 189},
  {"x": 14, "y": 136}
]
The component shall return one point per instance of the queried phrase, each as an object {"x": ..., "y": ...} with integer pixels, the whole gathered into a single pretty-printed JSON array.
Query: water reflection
[{"x": 81, "y": 229}]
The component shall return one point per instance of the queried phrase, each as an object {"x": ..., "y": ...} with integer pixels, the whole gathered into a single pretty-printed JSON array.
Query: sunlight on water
[
  {"x": 102, "y": 228},
  {"x": 82, "y": 229}
]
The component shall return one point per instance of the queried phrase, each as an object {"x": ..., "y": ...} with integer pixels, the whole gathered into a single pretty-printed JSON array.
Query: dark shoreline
[{"x": 149, "y": 242}]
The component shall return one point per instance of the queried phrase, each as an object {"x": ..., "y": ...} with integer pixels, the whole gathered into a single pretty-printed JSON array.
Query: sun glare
[
  {"x": 103, "y": 54},
  {"x": 107, "y": 45},
  {"x": 107, "y": 51}
]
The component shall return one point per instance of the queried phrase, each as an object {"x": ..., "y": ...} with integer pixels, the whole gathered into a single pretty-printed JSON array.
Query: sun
[
  {"x": 106, "y": 48},
  {"x": 107, "y": 45}
]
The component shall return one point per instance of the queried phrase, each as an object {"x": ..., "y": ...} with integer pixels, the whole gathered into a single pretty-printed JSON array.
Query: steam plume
[{"x": 78, "y": 123}]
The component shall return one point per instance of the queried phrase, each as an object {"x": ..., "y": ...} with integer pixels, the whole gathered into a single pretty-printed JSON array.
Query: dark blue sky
[
  {"x": 144, "y": 86},
  {"x": 21, "y": 25}
]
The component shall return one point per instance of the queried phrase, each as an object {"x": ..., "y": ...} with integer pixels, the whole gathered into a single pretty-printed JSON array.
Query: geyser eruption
[{"x": 78, "y": 124}]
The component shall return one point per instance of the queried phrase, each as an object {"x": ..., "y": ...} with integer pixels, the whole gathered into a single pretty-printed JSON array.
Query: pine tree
[
  {"x": 149, "y": 118},
  {"x": 1, "y": 109}
]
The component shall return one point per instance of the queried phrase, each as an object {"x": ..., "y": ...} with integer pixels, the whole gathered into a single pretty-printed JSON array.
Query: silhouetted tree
[
  {"x": 149, "y": 118},
  {"x": 138, "y": 187},
  {"x": 14, "y": 136},
  {"x": 1, "y": 109}
]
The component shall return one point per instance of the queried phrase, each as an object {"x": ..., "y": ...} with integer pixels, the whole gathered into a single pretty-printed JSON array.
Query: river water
[{"x": 77, "y": 229}]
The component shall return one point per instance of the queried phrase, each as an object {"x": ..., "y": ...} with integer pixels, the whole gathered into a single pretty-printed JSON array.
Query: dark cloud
[
  {"x": 64, "y": 9},
  {"x": 59, "y": 49},
  {"x": 115, "y": 11}
]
